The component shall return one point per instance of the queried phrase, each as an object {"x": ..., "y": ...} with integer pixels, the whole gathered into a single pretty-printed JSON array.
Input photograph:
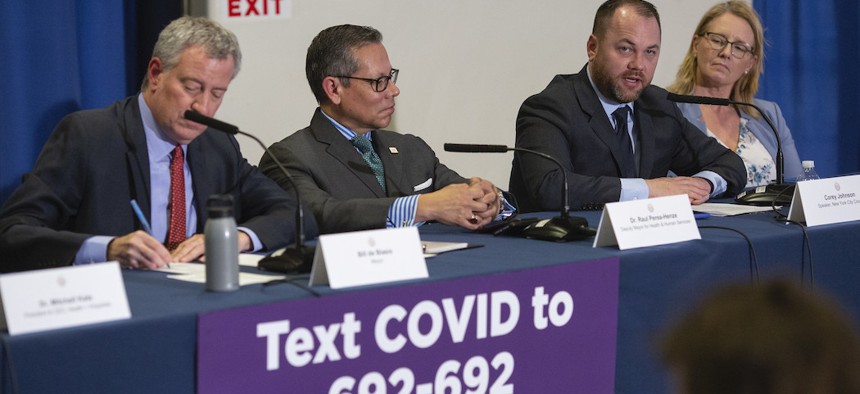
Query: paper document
[
  {"x": 250, "y": 259},
  {"x": 433, "y": 248},
  {"x": 720, "y": 209},
  {"x": 196, "y": 272}
]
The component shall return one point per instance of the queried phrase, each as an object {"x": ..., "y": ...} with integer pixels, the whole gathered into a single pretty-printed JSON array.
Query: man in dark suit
[
  {"x": 581, "y": 119},
  {"x": 352, "y": 174},
  {"x": 74, "y": 207}
]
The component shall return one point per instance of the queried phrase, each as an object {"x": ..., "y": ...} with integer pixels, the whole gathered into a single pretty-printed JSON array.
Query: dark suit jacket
[
  {"x": 339, "y": 187},
  {"x": 96, "y": 161},
  {"x": 567, "y": 121}
]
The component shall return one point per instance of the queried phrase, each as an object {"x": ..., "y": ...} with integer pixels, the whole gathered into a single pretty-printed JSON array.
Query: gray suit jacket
[
  {"x": 761, "y": 130},
  {"x": 339, "y": 187},
  {"x": 567, "y": 121},
  {"x": 96, "y": 161}
]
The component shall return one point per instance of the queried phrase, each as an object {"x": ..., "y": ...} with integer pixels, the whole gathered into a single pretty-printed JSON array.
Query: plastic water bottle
[
  {"x": 808, "y": 173},
  {"x": 222, "y": 245}
]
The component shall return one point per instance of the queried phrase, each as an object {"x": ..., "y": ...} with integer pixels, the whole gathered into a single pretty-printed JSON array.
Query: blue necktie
[
  {"x": 628, "y": 167},
  {"x": 366, "y": 147}
]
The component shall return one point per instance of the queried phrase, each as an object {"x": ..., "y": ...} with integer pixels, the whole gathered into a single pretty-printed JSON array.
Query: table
[{"x": 155, "y": 350}]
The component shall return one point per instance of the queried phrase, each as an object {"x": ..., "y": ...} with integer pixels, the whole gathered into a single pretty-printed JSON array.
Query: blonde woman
[{"x": 725, "y": 61}]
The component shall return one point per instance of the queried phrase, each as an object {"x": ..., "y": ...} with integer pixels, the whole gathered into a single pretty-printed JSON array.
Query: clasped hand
[{"x": 471, "y": 205}]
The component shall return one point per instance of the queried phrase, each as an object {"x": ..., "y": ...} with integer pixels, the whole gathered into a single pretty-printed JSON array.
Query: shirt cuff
[
  {"x": 93, "y": 250},
  {"x": 256, "y": 245},
  {"x": 402, "y": 212},
  {"x": 720, "y": 185},
  {"x": 633, "y": 189},
  {"x": 507, "y": 210}
]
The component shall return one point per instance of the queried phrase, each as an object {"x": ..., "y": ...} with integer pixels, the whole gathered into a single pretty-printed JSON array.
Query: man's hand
[
  {"x": 138, "y": 250},
  {"x": 191, "y": 249},
  {"x": 490, "y": 198},
  {"x": 194, "y": 248},
  {"x": 697, "y": 189},
  {"x": 456, "y": 204}
]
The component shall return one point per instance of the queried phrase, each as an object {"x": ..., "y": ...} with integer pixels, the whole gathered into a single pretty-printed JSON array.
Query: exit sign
[{"x": 257, "y": 9}]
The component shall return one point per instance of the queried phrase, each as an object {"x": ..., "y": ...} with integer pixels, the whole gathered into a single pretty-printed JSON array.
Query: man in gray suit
[{"x": 352, "y": 174}]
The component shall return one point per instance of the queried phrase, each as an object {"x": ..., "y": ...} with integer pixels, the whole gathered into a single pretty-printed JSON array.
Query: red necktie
[{"x": 176, "y": 229}]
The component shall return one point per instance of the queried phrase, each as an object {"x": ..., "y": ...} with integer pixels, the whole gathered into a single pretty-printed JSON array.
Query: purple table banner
[{"x": 544, "y": 330}]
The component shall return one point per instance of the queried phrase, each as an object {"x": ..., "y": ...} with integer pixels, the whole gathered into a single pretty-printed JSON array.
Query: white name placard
[
  {"x": 63, "y": 297},
  {"x": 368, "y": 257},
  {"x": 649, "y": 222},
  {"x": 826, "y": 201}
]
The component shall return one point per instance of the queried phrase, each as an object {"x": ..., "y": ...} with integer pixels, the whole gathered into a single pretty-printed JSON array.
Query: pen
[
  {"x": 140, "y": 217},
  {"x": 143, "y": 221},
  {"x": 701, "y": 215}
]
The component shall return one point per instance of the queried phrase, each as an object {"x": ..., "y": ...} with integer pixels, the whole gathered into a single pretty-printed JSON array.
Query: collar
[
  {"x": 609, "y": 106},
  {"x": 345, "y": 131},
  {"x": 158, "y": 147}
]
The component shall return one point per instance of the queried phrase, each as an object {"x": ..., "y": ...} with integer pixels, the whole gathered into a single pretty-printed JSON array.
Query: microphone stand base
[
  {"x": 290, "y": 260},
  {"x": 559, "y": 229},
  {"x": 773, "y": 194}
]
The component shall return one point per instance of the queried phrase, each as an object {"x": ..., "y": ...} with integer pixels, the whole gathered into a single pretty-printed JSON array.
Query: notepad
[{"x": 720, "y": 209}]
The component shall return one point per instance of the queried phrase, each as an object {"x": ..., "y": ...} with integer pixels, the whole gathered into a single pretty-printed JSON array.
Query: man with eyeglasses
[
  {"x": 617, "y": 136},
  {"x": 352, "y": 174}
]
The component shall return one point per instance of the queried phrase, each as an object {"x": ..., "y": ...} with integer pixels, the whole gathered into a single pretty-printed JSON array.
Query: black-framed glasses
[
  {"x": 378, "y": 84},
  {"x": 718, "y": 41}
]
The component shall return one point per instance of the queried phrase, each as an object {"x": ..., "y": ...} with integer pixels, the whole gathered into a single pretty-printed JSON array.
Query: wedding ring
[{"x": 473, "y": 218}]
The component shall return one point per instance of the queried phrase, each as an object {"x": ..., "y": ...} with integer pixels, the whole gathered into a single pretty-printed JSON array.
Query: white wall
[{"x": 466, "y": 66}]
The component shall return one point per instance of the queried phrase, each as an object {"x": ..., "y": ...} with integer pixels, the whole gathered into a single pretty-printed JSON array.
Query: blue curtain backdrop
[
  {"x": 810, "y": 62},
  {"x": 62, "y": 56}
]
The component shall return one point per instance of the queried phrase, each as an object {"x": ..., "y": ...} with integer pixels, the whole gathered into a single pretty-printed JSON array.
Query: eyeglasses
[
  {"x": 718, "y": 41},
  {"x": 378, "y": 84}
]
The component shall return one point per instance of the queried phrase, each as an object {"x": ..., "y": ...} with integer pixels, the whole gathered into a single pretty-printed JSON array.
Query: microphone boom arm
[
  {"x": 231, "y": 129},
  {"x": 780, "y": 174},
  {"x": 780, "y": 161},
  {"x": 477, "y": 148}
]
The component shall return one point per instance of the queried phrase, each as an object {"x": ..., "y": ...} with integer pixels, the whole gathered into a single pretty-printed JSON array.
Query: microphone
[
  {"x": 777, "y": 193},
  {"x": 297, "y": 259},
  {"x": 476, "y": 148},
  {"x": 560, "y": 228}
]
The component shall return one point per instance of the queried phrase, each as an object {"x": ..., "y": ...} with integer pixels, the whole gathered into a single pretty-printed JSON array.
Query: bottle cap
[
  {"x": 220, "y": 205},
  {"x": 808, "y": 163}
]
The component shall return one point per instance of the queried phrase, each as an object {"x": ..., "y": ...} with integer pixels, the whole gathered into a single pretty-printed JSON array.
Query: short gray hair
[{"x": 187, "y": 32}]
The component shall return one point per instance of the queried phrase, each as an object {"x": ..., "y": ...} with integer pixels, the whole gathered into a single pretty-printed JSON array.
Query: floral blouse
[{"x": 760, "y": 165}]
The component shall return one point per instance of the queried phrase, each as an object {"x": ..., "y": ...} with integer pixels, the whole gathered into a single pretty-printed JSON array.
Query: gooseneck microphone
[
  {"x": 298, "y": 259},
  {"x": 777, "y": 192},
  {"x": 483, "y": 148},
  {"x": 561, "y": 228}
]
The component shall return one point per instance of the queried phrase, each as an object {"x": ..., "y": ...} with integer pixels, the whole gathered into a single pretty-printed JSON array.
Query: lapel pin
[{"x": 393, "y": 150}]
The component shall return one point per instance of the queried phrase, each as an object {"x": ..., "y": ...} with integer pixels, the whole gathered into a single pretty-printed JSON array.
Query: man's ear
[
  {"x": 154, "y": 70},
  {"x": 333, "y": 89},
  {"x": 591, "y": 46}
]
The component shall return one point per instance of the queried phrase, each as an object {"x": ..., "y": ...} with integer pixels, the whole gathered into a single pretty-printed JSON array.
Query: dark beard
[{"x": 609, "y": 88}]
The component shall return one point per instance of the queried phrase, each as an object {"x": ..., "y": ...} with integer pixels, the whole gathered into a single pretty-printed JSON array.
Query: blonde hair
[{"x": 746, "y": 87}]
